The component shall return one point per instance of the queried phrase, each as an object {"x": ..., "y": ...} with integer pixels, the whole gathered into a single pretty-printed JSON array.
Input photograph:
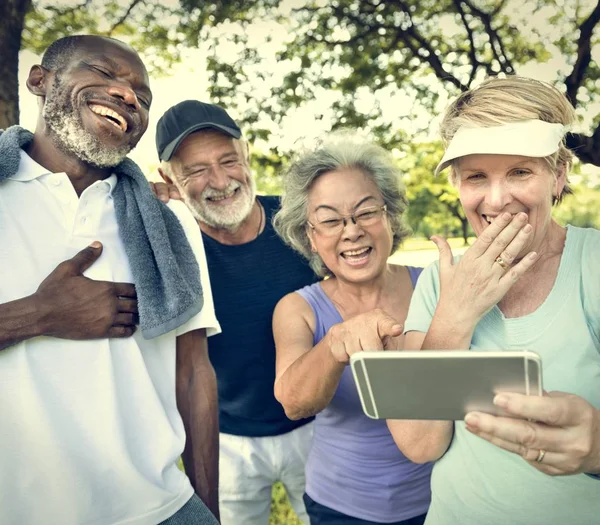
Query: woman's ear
[
  {"x": 309, "y": 234},
  {"x": 560, "y": 180},
  {"x": 37, "y": 80}
]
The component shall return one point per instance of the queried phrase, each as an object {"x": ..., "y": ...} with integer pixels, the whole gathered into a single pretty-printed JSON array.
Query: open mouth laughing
[
  {"x": 218, "y": 196},
  {"x": 111, "y": 116},
  {"x": 357, "y": 256}
]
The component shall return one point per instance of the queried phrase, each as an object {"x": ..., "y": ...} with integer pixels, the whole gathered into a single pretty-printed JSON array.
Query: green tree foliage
[
  {"x": 159, "y": 29},
  {"x": 581, "y": 209},
  {"x": 434, "y": 204},
  {"x": 416, "y": 51}
]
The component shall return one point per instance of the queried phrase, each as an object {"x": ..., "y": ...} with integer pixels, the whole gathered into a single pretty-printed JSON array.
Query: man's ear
[
  {"x": 165, "y": 177},
  {"x": 37, "y": 81}
]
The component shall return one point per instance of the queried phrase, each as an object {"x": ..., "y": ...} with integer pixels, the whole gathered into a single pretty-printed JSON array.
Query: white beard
[{"x": 229, "y": 217}]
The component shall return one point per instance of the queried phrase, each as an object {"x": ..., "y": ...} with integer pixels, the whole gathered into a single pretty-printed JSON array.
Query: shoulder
[
  {"x": 583, "y": 244},
  {"x": 291, "y": 306},
  {"x": 587, "y": 242},
  {"x": 414, "y": 272},
  {"x": 182, "y": 212},
  {"x": 429, "y": 279},
  {"x": 590, "y": 238},
  {"x": 188, "y": 223},
  {"x": 309, "y": 293}
]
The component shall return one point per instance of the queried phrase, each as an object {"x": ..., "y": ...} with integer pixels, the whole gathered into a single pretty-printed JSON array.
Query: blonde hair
[{"x": 499, "y": 101}]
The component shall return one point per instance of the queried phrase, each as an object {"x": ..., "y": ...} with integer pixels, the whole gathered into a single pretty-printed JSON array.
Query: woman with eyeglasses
[{"x": 342, "y": 209}]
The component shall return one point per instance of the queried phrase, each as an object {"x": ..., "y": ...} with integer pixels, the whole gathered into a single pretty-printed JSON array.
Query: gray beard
[
  {"x": 230, "y": 219},
  {"x": 70, "y": 136}
]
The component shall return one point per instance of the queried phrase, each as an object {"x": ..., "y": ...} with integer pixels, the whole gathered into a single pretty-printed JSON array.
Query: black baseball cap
[{"x": 185, "y": 118}]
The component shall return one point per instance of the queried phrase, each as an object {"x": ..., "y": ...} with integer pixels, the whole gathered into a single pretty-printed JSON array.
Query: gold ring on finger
[
  {"x": 540, "y": 456},
  {"x": 503, "y": 264}
]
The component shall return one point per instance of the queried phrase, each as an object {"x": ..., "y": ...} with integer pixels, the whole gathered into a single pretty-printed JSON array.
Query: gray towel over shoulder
[{"x": 165, "y": 271}]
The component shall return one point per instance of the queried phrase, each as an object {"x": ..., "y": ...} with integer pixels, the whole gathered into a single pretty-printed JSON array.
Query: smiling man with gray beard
[
  {"x": 206, "y": 162},
  {"x": 105, "y": 306},
  {"x": 70, "y": 135}
]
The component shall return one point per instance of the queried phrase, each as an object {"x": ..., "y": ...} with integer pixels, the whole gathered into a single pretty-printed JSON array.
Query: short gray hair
[{"x": 338, "y": 150}]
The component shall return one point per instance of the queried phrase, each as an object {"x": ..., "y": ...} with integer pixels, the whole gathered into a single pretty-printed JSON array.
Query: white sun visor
[{"x": 530, "y": 138}]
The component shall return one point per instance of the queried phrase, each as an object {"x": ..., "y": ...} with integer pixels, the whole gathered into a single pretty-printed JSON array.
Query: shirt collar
[{"x": 29, "y": 170}]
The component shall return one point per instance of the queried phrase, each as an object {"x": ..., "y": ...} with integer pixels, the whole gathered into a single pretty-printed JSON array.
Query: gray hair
[{"x": 338, "y": 150}]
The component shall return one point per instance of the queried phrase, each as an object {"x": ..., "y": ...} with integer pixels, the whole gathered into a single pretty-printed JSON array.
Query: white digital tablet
[{"x": 441, "y": 384}]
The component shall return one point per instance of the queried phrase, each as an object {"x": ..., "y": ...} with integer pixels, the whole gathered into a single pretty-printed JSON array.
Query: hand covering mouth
[{"x": 491, "y": 218}]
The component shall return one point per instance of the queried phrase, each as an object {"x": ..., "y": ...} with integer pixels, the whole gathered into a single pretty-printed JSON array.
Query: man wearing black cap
[{"x": 206, "y": 159}]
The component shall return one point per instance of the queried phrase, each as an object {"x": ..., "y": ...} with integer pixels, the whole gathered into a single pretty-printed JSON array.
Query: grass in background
[
  {"x": 420, "y": 243},
  {"x": 422, "y": 252},
  {"x": 282, "y": 512}
]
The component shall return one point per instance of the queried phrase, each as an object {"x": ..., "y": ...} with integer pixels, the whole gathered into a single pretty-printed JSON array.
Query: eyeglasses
[{"x": 333, "y": 224}]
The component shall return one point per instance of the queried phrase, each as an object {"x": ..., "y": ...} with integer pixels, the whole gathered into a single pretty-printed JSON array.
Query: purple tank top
[{"x": 354, "y": 465}]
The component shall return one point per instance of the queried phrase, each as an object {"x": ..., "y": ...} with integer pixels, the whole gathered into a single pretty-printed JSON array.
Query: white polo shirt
[{"x": 89, "y": 430}]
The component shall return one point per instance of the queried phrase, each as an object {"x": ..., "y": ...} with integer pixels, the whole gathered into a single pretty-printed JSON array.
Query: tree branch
[
  {"x": 584, "y": 55},
  {"x": 124, "y": 17},
  {"x": 69, "y": 10},
  {"x": 432, "y": 59},
  {"x": 498, "y": 8},
  {"x": 587, "y": 149},
  {"x": 472, "y": 51},
  {"x": 495, "y": 41}
]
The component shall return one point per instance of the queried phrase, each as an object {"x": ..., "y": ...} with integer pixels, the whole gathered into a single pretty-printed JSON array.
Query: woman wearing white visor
[{"x": 525, "y": 283}]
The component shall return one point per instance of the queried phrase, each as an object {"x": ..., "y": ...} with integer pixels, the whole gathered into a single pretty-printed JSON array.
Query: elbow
[
  {"x": 420, "y": 456},
  {"x": 420, "y": 452},
  {"x": 294, "y": 415},
  {"x": 291, "y": 409}
]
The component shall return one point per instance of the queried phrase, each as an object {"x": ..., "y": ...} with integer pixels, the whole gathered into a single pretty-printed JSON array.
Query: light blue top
[
  {"x": 477, "y": 483},
  {"x": 354, "y": 465}
]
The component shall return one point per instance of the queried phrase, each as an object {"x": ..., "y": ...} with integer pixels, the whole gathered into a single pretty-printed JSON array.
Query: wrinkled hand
[
  {"x": 165, "y": 192},
  {"x": 565, "y": 426},
  {"x": 75, "y": 307},
  {"x": 375, "y": 330},
  {"x": 477, "y": 282}
]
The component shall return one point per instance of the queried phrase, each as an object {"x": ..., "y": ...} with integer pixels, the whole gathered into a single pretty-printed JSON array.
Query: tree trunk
[
  {"x": 465, "y": 230},
  {"x": 12, "y": 18}
]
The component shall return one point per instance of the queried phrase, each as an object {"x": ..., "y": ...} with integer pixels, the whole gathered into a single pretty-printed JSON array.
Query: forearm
[
  {"x": 309, "y": 383},
  {"x": 197, "y": 403},
  {"x": 449, "y": 331},
  {"x": 425, "y": 440},
  {"x": 19, "y": 320}
]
